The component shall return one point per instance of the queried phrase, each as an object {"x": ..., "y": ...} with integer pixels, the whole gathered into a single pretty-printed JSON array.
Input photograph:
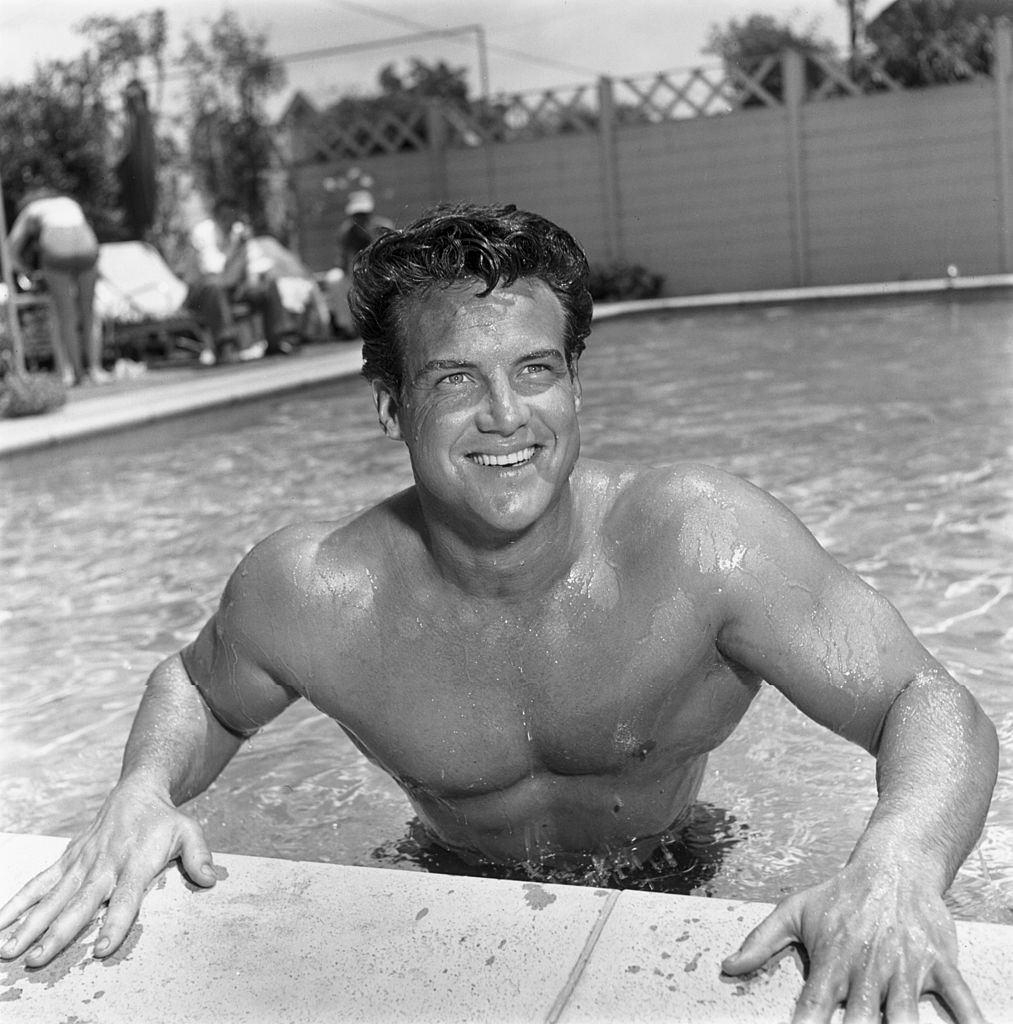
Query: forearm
[
  {"x": 176, "y": 744},
  {"x": 935, "y": 771}
]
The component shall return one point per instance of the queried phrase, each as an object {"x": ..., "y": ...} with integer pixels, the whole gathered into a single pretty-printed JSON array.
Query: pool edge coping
[{"x": 605, "y": 956}]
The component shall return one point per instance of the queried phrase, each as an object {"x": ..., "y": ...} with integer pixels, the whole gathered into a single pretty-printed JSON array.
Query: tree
[
  {"x": 61, "y": 128},
  {"x": 925, "y": 42},
  {"x": 229, "y": 77},
  {"x": 126, "y": 49},
  {"x": 748, "y": 46},
  {"x": 426, "y": 81},
  {"x": 54, "y": 131}
]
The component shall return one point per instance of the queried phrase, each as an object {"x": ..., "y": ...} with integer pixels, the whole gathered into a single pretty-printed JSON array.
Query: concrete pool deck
[
  {"x": 164, "y": 392},
  {"x": 302, "y": 943}
]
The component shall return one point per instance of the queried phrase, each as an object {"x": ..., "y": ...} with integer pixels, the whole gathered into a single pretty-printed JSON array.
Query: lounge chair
[{"x": 139, "y": 302}]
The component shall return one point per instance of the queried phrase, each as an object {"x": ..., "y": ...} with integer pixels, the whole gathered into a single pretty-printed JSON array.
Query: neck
[{"x": 505, "y": 566}]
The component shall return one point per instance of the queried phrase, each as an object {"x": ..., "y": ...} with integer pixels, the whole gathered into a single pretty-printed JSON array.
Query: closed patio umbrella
[{"x": 136, "y": 169}]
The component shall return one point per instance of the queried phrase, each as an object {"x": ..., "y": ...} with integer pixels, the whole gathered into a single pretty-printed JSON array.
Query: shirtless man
[{"x": 542, "y": 650}]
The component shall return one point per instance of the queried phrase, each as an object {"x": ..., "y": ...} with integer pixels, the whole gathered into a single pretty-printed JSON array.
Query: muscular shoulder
[
  {"x": 663, "y": 501},
  {"x": 694, "y": 517},
  {"x": 307, "y": 567},
  {"x": 283, "y": 561},
  {"x": 302, "y": 563}
]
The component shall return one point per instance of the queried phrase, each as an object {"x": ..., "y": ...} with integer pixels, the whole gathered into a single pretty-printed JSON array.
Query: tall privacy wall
[{"x": 796, "y": 175}]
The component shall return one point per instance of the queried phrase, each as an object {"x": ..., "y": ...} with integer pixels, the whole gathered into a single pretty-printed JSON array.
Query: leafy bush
[
  {"x": 618, "y": 281},
  {"x": 30, "y": 394}
]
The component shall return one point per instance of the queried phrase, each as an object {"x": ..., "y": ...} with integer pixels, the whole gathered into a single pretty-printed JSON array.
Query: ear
[
  {"x": 386, "y": 410},
  {"x": 577, "y": 390}
]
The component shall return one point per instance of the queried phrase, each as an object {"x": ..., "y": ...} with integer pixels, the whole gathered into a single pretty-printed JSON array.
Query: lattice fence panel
[
  {"x": 690, "y": 93},
  {"x": 828, "y": 79},
  {"x": 697, "y": 92},
  {"x": 352, "y": 140},
  {"x": 549, "y": 112}
]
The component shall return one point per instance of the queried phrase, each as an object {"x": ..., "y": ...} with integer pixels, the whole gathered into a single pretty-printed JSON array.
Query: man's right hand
[{"x": 135, "y": 835}]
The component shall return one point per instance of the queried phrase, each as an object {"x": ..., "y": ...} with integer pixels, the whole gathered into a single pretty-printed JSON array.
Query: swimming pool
[{"x": 886, "y": 427}]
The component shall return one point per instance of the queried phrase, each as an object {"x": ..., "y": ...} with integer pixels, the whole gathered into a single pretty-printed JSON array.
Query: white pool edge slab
[
  {"x": 104, "y": 411},
  {"x": 812, "y": 293},
  {"x": 302, "y": 943}
]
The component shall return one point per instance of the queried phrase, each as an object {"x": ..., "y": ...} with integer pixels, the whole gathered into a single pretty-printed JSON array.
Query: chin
[
  {"x": 509, "y": 523},
  {"x": 515, "y": 512}
]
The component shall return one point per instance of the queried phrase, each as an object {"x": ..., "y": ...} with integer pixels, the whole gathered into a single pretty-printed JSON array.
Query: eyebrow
[
  {"x": 543, "y": 354},
  {"x": 442, "y": 364}
]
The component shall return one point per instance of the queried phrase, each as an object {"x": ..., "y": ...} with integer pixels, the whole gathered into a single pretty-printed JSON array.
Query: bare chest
[{"x": 462, "y": 703}]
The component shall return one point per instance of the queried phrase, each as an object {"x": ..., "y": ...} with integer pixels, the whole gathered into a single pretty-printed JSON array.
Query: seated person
[{"x": 213, "y": 273}]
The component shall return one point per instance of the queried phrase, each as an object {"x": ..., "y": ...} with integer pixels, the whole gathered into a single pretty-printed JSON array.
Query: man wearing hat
[{"x": 360, "y": 226}]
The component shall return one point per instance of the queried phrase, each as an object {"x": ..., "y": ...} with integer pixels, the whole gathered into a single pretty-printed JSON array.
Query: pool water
[{"x": 886, "y": 426}]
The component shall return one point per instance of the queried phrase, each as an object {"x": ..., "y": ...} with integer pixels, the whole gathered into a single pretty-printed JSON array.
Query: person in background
[
  {"x": 52, "y": 240},
  {"x": 226, "y": 276},
  {"x": 361, "y": 225},
  {"x": 214, "y": 270}
]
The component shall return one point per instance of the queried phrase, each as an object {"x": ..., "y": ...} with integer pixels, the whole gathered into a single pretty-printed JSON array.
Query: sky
[{"x": 528, "y": 44}]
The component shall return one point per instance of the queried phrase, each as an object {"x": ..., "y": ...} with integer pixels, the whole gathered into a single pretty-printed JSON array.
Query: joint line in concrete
[{"x": 559, "y": 1005}]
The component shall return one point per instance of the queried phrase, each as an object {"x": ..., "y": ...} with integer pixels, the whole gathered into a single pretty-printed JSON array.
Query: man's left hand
[{"x": 877, "y": 940}]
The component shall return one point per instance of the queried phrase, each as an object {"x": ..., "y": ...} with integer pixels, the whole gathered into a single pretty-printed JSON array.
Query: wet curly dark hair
[{"x": 496, "y": 245}]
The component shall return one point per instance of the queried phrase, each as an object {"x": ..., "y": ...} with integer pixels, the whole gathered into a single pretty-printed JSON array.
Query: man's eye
[{"x": 453, "y": 379}]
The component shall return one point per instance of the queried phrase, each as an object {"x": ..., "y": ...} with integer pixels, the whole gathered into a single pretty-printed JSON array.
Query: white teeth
[{"x": 513, "y": 459}]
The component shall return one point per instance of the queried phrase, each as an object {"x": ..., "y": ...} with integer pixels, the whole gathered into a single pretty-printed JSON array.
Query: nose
[{"x": 503, "y": 411}]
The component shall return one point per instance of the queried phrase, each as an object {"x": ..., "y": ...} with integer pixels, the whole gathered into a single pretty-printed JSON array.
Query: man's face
[{"x": 489, "y": 407}]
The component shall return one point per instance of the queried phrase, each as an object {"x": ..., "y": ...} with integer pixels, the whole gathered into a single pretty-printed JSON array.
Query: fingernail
[
  {"x": 102, "y": 945},
  {"x": 8, "y": 947},
  {"x": 209, "y": 871},
  {"x": 35, "y": 953}
]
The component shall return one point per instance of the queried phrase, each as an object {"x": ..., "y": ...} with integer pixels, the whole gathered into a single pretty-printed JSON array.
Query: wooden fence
[{"x": 796, "y": 174}]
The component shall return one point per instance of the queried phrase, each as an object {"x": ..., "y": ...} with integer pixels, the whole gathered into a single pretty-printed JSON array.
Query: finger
[
  {"x": 30, "y": 894},
  {"x": 953, "y": 990},
  {"x": 40, "y": 915},
  {"x": 863, "y": 1002},
  {"x": 73, "y": 918},
  {"x": 124, "y": 906},
  {"x": 821, "y": 994},
  {"x": 770, "y": 936},
  {"x": 901, "y": 1004},
  {"x": 195, "y": 857}
]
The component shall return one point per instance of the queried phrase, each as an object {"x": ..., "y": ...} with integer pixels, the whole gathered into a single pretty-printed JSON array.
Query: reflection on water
[{"x": 885, "y": 426}]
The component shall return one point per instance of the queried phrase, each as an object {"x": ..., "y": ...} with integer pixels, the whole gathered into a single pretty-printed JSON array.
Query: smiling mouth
[{"x": 518, "y": 458}]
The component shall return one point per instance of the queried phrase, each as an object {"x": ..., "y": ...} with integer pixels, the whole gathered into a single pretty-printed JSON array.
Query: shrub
[
  {"x": 30, "y": 394},
  {"x": 618, "y": 281}
]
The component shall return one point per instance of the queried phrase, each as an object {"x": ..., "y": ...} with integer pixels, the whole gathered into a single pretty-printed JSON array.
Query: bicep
[
  {"x": 834, "y": 646},
  {"x": 237, "y": 671},
  {"x": 241, "y": 694}
]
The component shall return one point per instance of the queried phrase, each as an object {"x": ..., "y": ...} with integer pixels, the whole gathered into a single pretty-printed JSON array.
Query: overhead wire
[{"x": 368, "y": 9}]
